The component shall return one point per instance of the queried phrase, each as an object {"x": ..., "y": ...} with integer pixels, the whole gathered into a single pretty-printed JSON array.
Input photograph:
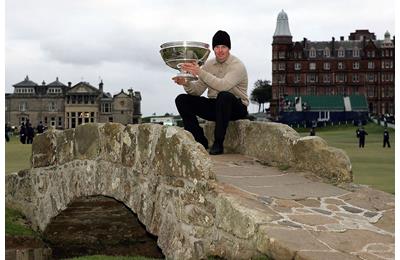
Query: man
[
  {"x": 7, "y": 129},
  {"x": 40, "y": 128},
  {"x": 361, "y": 133},
  {"x": 225, "y": 78},
  {"x": 386, "y": 138},
  {"x": 30, "y": 133},
  {"x": 23, "y": 133},
  {"x": 312, "y": 131}
]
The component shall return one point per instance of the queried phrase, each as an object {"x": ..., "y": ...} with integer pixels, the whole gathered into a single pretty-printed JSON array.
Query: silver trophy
[{"x": 176, "y": 53}]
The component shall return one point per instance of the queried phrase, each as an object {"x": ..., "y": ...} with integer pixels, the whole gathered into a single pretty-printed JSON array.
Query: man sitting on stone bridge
[{"x": 225, "y": 77}]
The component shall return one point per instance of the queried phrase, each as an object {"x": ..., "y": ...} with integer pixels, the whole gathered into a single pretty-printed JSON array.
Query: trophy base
[{"x": 187, "y": 76}]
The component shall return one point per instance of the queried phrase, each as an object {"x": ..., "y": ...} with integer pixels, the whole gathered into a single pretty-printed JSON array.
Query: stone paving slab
[
  {"x": 249, "y": 175},
  {"x": 311, "y": 219}
]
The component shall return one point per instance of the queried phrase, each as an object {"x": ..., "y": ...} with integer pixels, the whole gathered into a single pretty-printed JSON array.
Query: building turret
[{"x": 282, "y": 32}]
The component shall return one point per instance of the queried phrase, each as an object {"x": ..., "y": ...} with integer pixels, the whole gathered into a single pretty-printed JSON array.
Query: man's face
[{"x": 221, "y": 53}]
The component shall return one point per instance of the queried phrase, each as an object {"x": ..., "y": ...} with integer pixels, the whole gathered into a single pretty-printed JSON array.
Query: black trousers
[
  {"x": 226, "y": 107},
  {"x": 386, "y": 142}
]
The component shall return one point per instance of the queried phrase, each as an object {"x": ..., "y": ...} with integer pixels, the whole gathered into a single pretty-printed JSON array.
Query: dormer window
[
  {"x": 24, "y": 90},
  {"x": 341, "y": 52},
  {"x": 54, "y": 91},
  {"x": 313, "y": 53}
]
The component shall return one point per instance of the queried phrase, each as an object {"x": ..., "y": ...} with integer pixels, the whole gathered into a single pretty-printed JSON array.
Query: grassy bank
[
  {"x": 16, "y": 224},
  {"x": 17, "y": 155}
]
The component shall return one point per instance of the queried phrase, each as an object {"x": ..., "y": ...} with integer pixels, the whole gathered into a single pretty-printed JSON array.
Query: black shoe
[{"x": 216, "y": 149}]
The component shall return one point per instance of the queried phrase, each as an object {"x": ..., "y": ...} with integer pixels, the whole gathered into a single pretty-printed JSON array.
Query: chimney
[
  {"x": 101, "y": 86},
  {"x": 304, "y": 42},
  {"x": 130, "y": 91},
  {"x": 137, "y": 95},
  {"x": 69, "y": 84},
  {"x": 341, "y": 38},
  {"x": 333, "y": 46},
  {"x": 43, "y": 83}
]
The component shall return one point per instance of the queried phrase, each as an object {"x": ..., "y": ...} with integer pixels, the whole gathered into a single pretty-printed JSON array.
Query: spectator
[
  {"x": 23, "y": 133},
  {"x": 30, "y": 133},
  {"x": 361, "y": 133},
  {"x": 40, "y": 128},
  {"x": 386, "y": 138},
  {"x": 312, "y": 131},
  {"x": 7, "y": 129}
]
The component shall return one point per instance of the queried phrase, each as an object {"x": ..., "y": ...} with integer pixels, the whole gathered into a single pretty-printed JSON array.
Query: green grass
[
  {"x": 17, "y": 155},
  {"x": 372, "y": 165},
  {"x": 16, "y": 224}
]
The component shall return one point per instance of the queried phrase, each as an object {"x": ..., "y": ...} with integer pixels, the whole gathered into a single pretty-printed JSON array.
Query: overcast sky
[{"x": 118, "y": 41}]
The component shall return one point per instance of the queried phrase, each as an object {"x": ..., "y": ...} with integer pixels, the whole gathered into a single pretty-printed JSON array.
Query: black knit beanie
[{"x": 221, "y": 38}]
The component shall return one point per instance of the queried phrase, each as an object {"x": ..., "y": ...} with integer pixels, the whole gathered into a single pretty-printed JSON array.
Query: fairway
[
  {"x": 372, "y": 165},
  {"x": 17, "y": 155}
]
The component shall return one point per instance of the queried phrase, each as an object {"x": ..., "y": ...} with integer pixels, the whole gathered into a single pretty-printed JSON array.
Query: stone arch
[
  {"x": 99, "y": 225},
  {"x": 159, "y": 173}
]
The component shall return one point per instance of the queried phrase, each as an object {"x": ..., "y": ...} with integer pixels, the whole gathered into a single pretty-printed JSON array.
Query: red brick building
[{"x": 360, "y": 65}]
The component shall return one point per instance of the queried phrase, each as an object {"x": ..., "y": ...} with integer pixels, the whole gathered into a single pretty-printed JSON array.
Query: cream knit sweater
[{"x": 229, "y": 76}]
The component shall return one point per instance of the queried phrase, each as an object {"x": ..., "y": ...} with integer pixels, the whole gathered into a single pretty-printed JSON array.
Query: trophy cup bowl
[{"x": 176, "y": 53}]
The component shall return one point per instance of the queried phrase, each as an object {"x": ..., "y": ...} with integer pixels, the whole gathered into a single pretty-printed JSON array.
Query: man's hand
[
  {"x": 179, "y": 80},
  {"x": 192, "y": 68}
]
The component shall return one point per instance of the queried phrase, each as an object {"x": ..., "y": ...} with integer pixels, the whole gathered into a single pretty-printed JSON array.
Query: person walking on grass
[
  {"x": 386, "y": 138},
  {"x": 7, "y": 130},
  {"x": 361, "y": 133}
]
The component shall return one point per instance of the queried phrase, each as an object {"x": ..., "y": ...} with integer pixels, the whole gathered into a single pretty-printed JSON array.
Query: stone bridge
[{"x": 268, "y": 197}]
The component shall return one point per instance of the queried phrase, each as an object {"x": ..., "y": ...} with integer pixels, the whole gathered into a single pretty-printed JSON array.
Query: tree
[{"x": 261, "y": 93}]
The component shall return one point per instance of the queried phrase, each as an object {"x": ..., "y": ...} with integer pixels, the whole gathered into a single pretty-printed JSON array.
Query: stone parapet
[{"x": 279, "y": 145}]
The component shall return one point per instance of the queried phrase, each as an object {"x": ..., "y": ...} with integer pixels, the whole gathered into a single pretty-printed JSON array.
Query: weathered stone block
[
  {"x": 87, "y": 141},
  {"x": 110, "y": 142},
  {"x": 65, "y": 146},
  {"x": 270, "y": 142},
  {"x": 313, "y": 153},
  {"x": 44, "y": 148},
  {"x": 129, "y": 138},
  {"x": 177, "y": 154}
]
